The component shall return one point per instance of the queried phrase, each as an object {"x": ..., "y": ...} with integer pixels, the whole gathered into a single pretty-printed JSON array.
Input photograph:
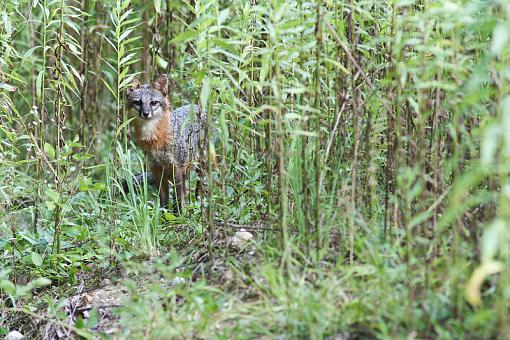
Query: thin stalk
[
  {"x": 317, "y": 104},
  {"x": 356, "y": 127}
]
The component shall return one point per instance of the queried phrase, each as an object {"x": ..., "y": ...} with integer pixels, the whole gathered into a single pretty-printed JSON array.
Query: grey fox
[{"x": 170, "y": 138}]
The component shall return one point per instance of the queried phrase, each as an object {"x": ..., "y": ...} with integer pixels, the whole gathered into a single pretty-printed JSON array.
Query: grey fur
[
  {"x": 171, "y": 162},
  {"x": 186, "y": 125},
  {"x": 148, "y": 102},
  {"x": 186, "y": 128}
]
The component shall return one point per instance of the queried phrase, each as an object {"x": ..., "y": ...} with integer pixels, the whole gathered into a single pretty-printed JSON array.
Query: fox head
[{"x": 150, "y": 100}]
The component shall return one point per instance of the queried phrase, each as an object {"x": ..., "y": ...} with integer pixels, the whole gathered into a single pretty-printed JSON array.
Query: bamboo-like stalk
[
  {"x": 60, "y": 120},
  {"x": 208, "y": 146},
  {"x": 356, "y": 127},
  {"x": 318, "y": 151},
  {"x": 41, "y": 126},
  {"x": 84, "y": 44},
  {"x": 170, "y": 49},
  {"x": 305, "y": 201},
  {"x": 146, "y": 42},
  {"x": 38, "y": 124}
]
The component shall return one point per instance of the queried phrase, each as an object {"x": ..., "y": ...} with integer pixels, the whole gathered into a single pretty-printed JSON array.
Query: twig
[
  {"x": 249, "y": 227},
  {"x": 353, "y": 61},
  {"x": 84, "y": 309},
  {"x": 80, "y": 332}
]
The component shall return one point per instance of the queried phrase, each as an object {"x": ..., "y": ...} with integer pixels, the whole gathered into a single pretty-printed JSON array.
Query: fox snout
[{"x": 145, "y": 112}]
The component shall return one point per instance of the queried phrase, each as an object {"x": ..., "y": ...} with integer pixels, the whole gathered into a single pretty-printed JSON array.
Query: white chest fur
[{"x": 148, "y": 129}]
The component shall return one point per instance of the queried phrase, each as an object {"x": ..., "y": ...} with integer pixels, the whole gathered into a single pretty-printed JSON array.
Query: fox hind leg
[
  {"x": 180, "y": 189},
  {"x": 161, "y": 177},
  {"x": 198, "y": 188}
]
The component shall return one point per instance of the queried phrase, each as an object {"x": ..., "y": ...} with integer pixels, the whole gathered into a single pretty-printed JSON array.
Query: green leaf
[
  {"x": 125, "y": 35},
  {"x": 50, "y": 151},
  {"x": 500, "y": 38},
  {"x": 37, "y": 259},
  {"x": 490, "y": 240},
  {"x": 38, "y": 85},
  {"x": 109, "y": 88},
  {"x": 157, "y": 6},
  {"x": 50, "y": 205},
  {"x": 169, "y": 216},
  {"x": 8, "y": 287},
  {"x": 7, "y": 23},
  {"x": 53, "y": 195},
  {"x": 223, "y": 15},
  {"x": 7, "y": 87},
  {"x": 39, "y": 282},
  {"x": 204, "y": 93},
  {"x": 489, "y": 144},
  {"x": 185, "y": 36},
  {"x": 124, "y": 124}
]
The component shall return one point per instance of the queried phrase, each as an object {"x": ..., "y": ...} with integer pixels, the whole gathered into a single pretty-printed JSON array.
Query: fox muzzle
[{"x": 145, "y": 112}]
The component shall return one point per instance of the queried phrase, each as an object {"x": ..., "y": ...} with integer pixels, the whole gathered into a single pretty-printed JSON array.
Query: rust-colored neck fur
[{"x": 153, "y": 134}]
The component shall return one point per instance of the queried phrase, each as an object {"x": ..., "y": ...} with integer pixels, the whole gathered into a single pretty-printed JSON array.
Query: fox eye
[
  {"x": 154, "y": 103},
  {"x": 137, "y": 102}
]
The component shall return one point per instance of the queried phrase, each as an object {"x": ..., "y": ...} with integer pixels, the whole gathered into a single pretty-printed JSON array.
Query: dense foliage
[{"x": 365, "y": 145}]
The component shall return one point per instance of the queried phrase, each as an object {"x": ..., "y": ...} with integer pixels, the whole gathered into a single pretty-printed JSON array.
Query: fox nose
[{"x": 146, "y": 114}]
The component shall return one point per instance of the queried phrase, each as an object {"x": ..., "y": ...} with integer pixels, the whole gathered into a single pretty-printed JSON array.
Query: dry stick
[
  {"x": 210, "y": 206},
  {"x": 390, "y": 155},
  {"x": 332, "y": 136},
  {"x": 73, "y": 309},
  {"x": 268, "y": 145},
  {"x": 83, "y": 72},
  {"x": 33, "y": 94},
  {"x": 60, "y": 115},
  {"x": 146, "y": 39},
  {"x": 420, "y": 161},
  {"x": 368, "y": 178},
  {"x": 84, "y": 309},
  {"x": 96, "y": 64},
  {"x": 169, "y": 48},
  {"x": 318, "y": 36},
  {"x": 78, "y": 331},
  {"x": 389, "y": 169},
  {"x": 282, "y": 174},
  {"x": 437, "y": 153},
  {"x": 304, "y": 140},
  {"x": 356, "y": 119},
  {"x": 250, "y": 227},
  {"x": 39, "y": 151},
  {"x": 401, "y": 155},
  {"x": 42, "y": 111},
  {"x": 352, "y": 60}
]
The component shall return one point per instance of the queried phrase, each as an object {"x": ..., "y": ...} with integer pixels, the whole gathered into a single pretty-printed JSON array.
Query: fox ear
[
  {"x": 161, "y": 84},
  {"x": 133, "y": 86}
]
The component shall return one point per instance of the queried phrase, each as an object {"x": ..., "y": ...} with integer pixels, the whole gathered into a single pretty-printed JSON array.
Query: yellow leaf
[{"x": 474, "y": 284}]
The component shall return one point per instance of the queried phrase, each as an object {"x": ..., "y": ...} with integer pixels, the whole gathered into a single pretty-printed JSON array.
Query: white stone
[
  {"x": 240, "y": 238},
  {"x": 14, "y": 335},
  {"x": 178, "y": 281}
]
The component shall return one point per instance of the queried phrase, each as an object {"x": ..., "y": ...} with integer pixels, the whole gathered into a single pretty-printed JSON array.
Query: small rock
[
  {"x": 178, "y": 281},
  {"x": 240, "y": 239},
  {"x": 14, "y": 335}
]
